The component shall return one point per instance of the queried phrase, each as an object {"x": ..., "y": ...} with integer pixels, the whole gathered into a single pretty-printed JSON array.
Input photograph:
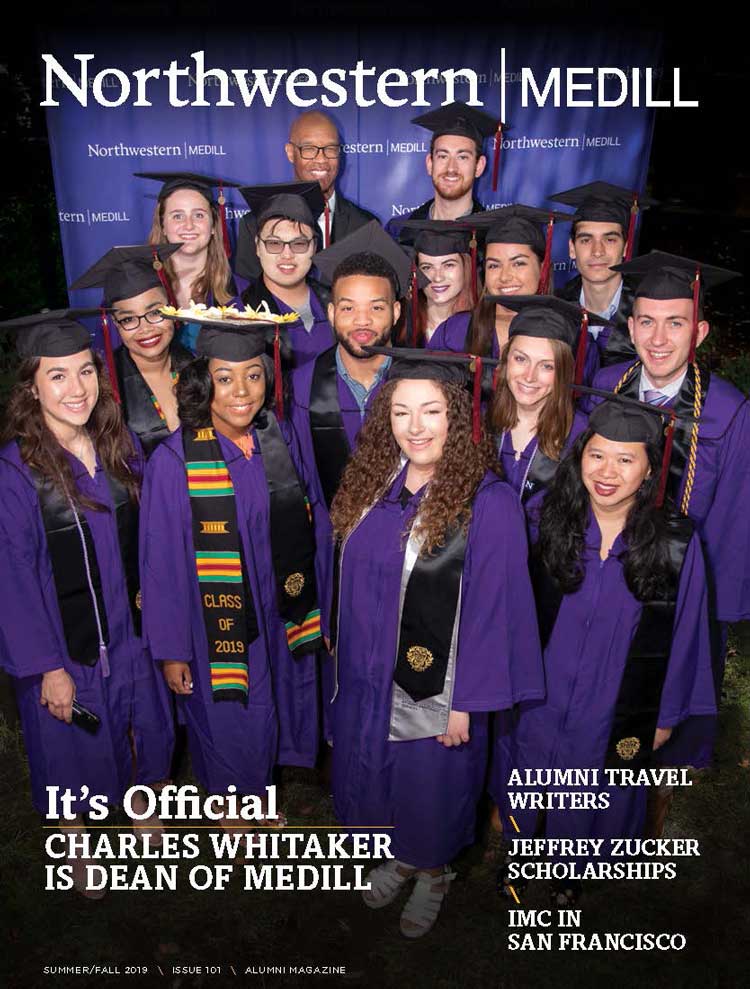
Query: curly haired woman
[{"x": 435, "y": 627}]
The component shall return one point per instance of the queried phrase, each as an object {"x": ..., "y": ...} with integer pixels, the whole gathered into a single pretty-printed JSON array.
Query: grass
[{"x": 468, "y": 947}]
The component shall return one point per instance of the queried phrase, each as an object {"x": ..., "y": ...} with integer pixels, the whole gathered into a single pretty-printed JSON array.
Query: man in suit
[{"x": 314, "y": 151}]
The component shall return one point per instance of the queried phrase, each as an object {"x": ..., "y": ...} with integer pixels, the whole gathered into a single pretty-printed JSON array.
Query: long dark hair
[
  {"x": 195, "y": 392},
  {"x": 564, "y": 517},
  {"x": 41, "y": 450}
]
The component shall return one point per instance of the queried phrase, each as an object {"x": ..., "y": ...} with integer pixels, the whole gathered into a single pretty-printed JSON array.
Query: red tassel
[
  {"x": 583, "y": 340},
  {"x": 666, "y": 457},
  {"x": 110, "y": 356},
  {"x": 476, "y": 405},
  {"x": 630, "y": 240},
  {"x": 414, "y": 306},
  {"x": 327, "y": 220},
  {"x": 223, "y": 218},
  {"x": 696, "y": 305},
  {"x": 278, "y": 388},
  {"x": 495, "y": 377},
  {"x": 496, "y": 155},
  {"x": 474, "y": 279},
  {"x": 547, "y": 263},
  {"x": 162, "y": 275}
]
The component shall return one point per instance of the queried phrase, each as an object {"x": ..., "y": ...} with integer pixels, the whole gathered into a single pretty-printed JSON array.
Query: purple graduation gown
[
  {"x": 307, "y": 344},
  {"x": 497, "y": 664},
  {"x": 516, "y": 471},
  {"x": 133, "y": 698},
  {"x": 721, "y": 487},
  {"x": 451, "y": 335},
  {"x": 584, "y": 662},
  {"x": 229, "y": 742}
]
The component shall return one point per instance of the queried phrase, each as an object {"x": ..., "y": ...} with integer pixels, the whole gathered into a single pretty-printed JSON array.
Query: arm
[{"x": 499, "y": 659}]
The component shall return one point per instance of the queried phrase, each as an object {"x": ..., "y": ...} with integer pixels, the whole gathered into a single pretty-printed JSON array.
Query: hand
[
  {"x": 178, "y": 676},
  {"x": 457, "y": 730},
  {"x": 661, "y": 735},
  {"x": 58, "y": 693}
]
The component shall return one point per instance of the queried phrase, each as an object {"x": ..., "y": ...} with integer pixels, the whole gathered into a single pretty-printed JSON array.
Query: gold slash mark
[
  {"x": 513, "y": 894},
  {"x": 203, "y": 435},
  {"x": 513, "y": 822},
  {"x": 214, "y": 528}
]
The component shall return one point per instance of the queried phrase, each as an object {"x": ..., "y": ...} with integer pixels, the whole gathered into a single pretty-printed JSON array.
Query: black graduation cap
[
  {"x": 669, "y": 276},
  {"x": 124, "y": 272},
  {"x": 551, "y": 318},
  {"x": 465, "y": 121},
  {"x": 417, "y": 364},
  {"x": 626, "y": 420},
  {"x": 226, "y": 342},
  {"x": 517, "y": 224},
  {"x": 602, "y": 202},
  {"x": 435, "y": 237},
  {"x": 205, "y": 184},
  {"x": 369, "y": 239},
  {"x": 51, "y": 333},
  {"x": 302, "y": 202}
]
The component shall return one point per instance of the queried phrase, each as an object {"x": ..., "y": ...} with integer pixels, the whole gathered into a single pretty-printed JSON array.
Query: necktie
[
  {"x": 327, "y": 218},
  {"x": 654, "y": 397}
]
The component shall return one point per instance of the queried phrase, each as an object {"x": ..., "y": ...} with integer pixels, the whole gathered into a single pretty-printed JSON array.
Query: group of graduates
[{"x": 399, "y": 522}]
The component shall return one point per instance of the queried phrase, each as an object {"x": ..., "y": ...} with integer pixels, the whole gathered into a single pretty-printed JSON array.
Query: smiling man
[
  {"x": 710, "y": 467},
  {"x": 314, "y": 150},
  {"x": 599, "y": 240},
  {"x": 456, "y": 159}
]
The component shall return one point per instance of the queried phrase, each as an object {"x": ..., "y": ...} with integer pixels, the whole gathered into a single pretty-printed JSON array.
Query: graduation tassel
[
  {"x": 476, "y": 404},
  {"x": 630, "y": 241},
  {"x": 496, "y": 155},
  {"x": 327, "y": 222},
  {"x": 223, "y": 218},
  {"x": 543, "y": 286},
  {"x": 162, "y": 276},
  {"x": 109, "y": 356},
  {"x": 696, "y": 306},
  {"x": 278, "y": 389},
  {"x": 666, "y": 457},
  {"x": 414, "y": 306},
  {"x": 583, "y": 340},
  {"x": 474, "y": 279}
]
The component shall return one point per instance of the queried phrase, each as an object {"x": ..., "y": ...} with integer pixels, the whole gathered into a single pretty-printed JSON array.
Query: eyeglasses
[
  {"x": 310, "y": 151},
  {"x": 133, "y": 322},
  {"x": 275, "y": 245}
]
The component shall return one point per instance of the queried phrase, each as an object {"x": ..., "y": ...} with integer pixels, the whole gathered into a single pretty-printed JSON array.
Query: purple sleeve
[
  {"x": 32, "y": 638},
  {"x": 726, "y": 530},
  {"x": 167, "y": 562},
  {"x": 688, "y": 687},
  {"x": 499, "y": 658}
]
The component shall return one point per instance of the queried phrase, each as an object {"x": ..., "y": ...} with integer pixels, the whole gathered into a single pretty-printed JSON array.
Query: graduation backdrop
[{"x": 96, "y": 149}]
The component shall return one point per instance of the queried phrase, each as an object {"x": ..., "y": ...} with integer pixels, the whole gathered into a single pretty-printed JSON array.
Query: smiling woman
[{"x": 70, "y": 481}]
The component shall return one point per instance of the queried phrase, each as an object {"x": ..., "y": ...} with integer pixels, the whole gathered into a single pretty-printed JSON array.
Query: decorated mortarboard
[
  {"x": 602, "y": 202},
  {"x": 669, "y": 276},
  {"x": 626, "y": 420},
  {"x": 416, "y": 364},
  {"x": 204, "y": 184},
  {"x": 465, "y": 121},
  {"x": 50, "y": 333},
  {"x": 369, "y": 239},
  {"x": 551, "y": 318},
  {"x": 124, "y": 272},
  {"x": 301, "y": 202}
]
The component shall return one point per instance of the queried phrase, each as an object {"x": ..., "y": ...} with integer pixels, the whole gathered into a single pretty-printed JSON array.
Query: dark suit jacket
[
  {"x": 346, "y": 219},
  {"x": 617, "y": 346}
]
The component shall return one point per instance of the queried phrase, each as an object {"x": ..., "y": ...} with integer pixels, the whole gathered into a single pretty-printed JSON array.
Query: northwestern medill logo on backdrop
[
  {"x": 183, "y": 150},
  {"x": 90, "y": 216}
]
